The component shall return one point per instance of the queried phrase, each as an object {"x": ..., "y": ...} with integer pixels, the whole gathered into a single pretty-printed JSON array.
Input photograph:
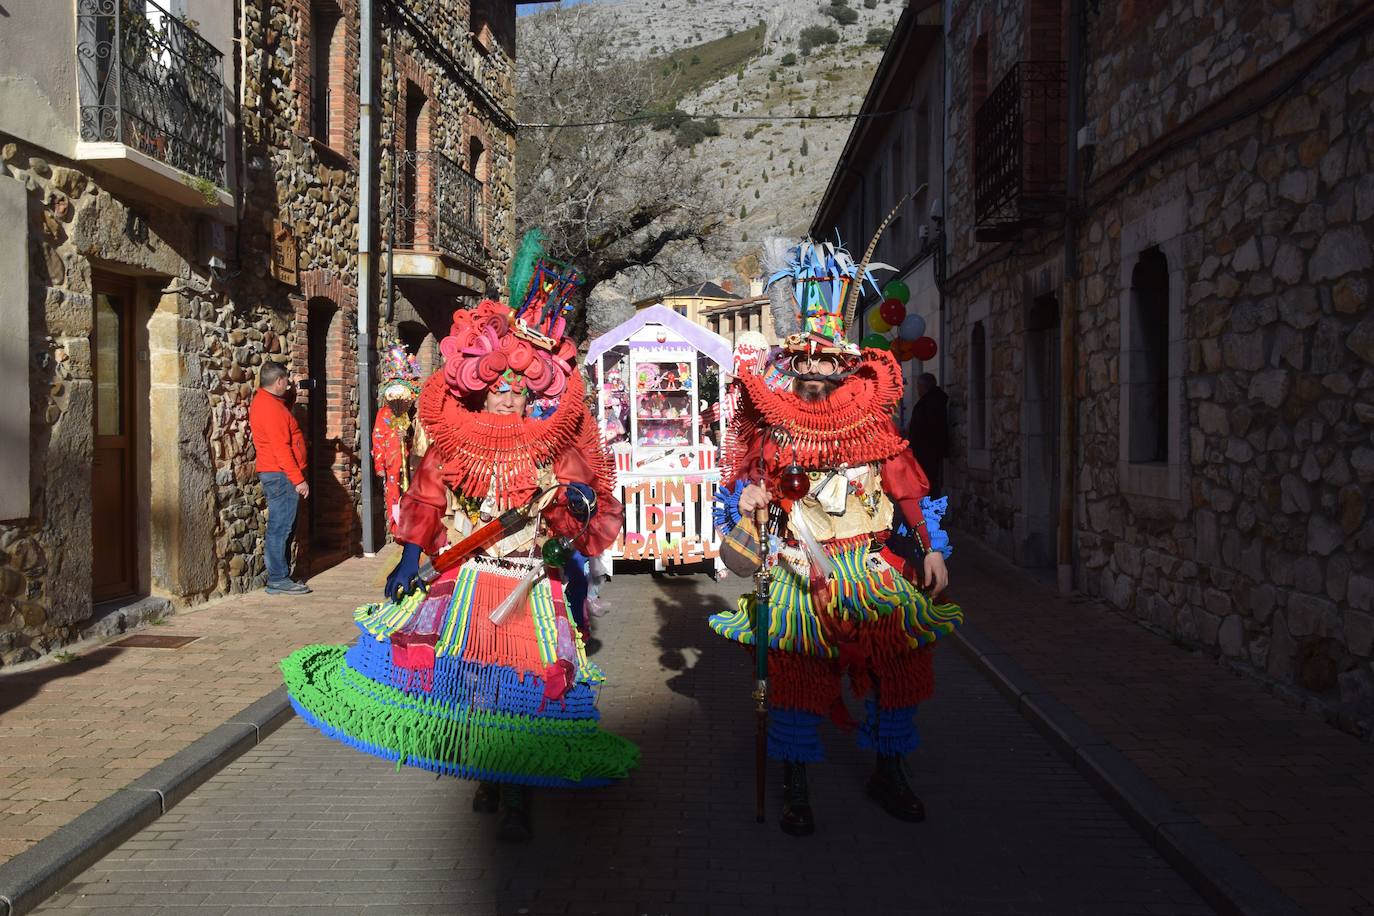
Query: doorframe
[{"x": 127, "y": 289}]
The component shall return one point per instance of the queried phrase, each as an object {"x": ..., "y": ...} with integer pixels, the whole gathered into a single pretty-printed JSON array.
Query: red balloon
[
  {"x": 924, "y": 348},
  {"x": 893, "y": 311}
]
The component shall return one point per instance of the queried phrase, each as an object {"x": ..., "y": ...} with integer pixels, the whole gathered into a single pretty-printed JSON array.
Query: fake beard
[{"x": 811, "y": 395}]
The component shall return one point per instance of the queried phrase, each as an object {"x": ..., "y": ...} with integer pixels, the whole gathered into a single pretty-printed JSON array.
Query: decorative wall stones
[
  {"x": 1264, "y": 554},
  {"x": 203, "y": 335}
]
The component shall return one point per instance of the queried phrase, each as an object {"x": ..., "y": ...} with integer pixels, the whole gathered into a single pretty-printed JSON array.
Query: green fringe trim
[{"x": 412, "y": 729}]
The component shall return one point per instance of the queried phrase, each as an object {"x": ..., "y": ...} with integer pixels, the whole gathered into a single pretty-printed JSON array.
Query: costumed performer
[
  {"x": 844, "y": 596},
  {"x": 480, "y": 675},
  {"x": 393, "y": 432}
]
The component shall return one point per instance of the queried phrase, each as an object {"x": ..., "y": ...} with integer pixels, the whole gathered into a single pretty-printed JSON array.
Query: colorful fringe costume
[
  {"x": 842, "y": 601},
  {"x": 434, "y": 682},
  {"x": 393, "y": 433}
]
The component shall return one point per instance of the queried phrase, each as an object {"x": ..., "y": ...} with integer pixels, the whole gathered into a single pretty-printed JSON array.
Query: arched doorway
[
  {"x": 328, "y": 511},
  {"x": 1040, "y": 435}
]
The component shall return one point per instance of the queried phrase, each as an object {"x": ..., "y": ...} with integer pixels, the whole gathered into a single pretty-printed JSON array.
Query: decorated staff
[{"x": 838, "y": 596}]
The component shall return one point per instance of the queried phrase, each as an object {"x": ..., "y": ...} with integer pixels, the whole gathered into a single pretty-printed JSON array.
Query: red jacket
[{"x": 276, "y": 437}]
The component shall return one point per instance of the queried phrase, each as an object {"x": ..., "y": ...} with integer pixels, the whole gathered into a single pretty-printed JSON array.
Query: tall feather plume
[
  {"x": 853, "y": 303},
  {"x": 522, "y": 267},
  {"x": 776, "y": 261}
]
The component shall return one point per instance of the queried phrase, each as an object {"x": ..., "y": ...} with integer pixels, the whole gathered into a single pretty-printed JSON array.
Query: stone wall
[
  {"x": 77, "y": 225},
  {"x": 203, "y": 335},
  {"x": 1255, "y": 538}
]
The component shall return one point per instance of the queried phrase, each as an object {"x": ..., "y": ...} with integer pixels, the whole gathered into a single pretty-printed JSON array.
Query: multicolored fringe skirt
[
  {"x": 434, "y": 683},
  {"x": 867, "y": 587}
]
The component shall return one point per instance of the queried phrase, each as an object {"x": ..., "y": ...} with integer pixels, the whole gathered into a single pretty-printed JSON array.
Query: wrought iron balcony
[
  {"x": 1019, "y": 146},
  {"x": 438, "y": 207},
  {"x": 149, "y": 82}
]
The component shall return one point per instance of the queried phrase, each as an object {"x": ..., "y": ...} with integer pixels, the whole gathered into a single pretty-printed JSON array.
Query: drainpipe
[
  {"x": 366, "y": 169},
  {"x": 1068, "y": 324}
]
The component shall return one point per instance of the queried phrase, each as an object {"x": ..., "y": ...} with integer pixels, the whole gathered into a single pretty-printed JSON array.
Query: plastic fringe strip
[
  {"x": 794, "y": 735},
  {"x": 890, "y": 732},
  {"x": 458, "y": 740},
  {"x": 865, "y": 589}
]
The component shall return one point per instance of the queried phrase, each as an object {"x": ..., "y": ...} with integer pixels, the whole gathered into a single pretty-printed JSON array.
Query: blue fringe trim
[
  {"x": 794, "y": 735},
  {"x": 726, "y": 508},
  {"x": 442, "y": 767},
  {"x": 890, "y": 732},
  {"x": 469, "y": 684}
]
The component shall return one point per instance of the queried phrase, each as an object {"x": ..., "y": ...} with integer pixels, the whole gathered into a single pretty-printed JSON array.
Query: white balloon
[{"x": 913, "y": 327}]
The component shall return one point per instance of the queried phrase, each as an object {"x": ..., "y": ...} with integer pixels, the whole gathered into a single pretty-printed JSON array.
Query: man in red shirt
[{"x": 280, "y": 449}]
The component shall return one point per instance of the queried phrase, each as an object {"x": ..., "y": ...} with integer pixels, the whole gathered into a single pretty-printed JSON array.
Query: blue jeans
[{"x": 282, "y": 500}]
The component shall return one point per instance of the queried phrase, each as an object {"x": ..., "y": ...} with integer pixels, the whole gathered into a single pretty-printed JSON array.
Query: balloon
[
  {"x": 896, "y": 289},
  {"x": 924, "y": 349},
  {"x": 875, "y": 342},
  {"x": 893, "y": 311},
  {"x": 877, "y": 322},
  {"x": 913, "y": 327}
]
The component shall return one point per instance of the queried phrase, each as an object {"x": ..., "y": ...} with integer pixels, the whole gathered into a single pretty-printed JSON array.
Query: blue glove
[
  {"x": 404, "y": 576},
  {"x": 581, "y": 501}
]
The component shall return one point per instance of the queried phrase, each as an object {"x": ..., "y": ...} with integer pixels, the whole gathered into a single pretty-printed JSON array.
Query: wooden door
[{"x": 113, "y": 464}]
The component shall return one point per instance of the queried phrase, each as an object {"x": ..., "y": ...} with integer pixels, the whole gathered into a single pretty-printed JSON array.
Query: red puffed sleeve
[
  {"x": 573, "y": 467},
  {"x": 905, "y": 484},
  {"x": 423, "y": 505}
]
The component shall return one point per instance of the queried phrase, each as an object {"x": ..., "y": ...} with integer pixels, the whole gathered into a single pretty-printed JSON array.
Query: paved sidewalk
[
  {"x": 301, "y": 824},
  {"x": 1292, "y": 795},
  {"x": 73, "y": 733}
]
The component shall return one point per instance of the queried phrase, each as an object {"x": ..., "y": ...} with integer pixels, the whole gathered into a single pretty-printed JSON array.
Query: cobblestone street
[{"x": 304, "y": 825}]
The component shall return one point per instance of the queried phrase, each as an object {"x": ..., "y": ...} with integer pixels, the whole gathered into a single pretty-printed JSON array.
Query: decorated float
[{"x": 659, "y": 379}]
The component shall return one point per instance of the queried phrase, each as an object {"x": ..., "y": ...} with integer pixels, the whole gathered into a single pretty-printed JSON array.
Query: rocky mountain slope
[{"x": 770, "y": 163}]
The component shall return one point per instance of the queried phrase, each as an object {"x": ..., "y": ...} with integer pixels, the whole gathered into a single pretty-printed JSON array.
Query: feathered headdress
[
  {"x": 400, "y": 375},
  {"x": 540, "y": 292},
  {"x": 519, "y": 347},
  {"x": 820, "y": 276}
]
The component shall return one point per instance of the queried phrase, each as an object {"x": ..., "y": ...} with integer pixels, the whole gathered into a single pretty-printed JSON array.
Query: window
[
  {"x": 923, "y": 129},
  {"x": 977, "y": 93},
  {"x": 896, "y": 245},
  {"x": 1148, "y": 360},
  {"x": 415, "y": 198},
  {"x": 978, "y": 388},
  {"x": 479, "y": 167},
  {"x": 481, "y": 27},
  {"x": 1044, "y": 33},
  {"x": 326, "y": 72}
]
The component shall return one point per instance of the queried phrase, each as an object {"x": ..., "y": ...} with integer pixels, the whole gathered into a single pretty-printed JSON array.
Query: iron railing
[
  {"x": 147, "y": 80},
  {"x": 1019, "y": 145},
  {"x": 438, "y": 207}
]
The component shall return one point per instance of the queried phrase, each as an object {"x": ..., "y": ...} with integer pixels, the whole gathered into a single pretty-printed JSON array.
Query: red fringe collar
[
  {"x": 852, "y": 426},
  {"x": 478, "y": 447}
]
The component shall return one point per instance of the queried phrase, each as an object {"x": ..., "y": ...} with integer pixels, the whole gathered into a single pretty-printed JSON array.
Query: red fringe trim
[
  {"x": 853, "y": 426},
  {"x": 478, "y": 446},
  {"x": 875, "y": 655}
]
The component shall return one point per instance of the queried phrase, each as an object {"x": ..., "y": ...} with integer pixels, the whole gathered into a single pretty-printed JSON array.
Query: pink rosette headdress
[{"x": 496, "y": 348}]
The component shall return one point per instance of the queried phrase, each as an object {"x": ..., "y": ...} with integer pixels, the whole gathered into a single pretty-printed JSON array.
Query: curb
[
  {"x": 1216, "y": 871},
  {"x": 45, "y": 868}
]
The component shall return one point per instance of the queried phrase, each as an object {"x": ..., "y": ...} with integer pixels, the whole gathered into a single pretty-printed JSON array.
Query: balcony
[
  {"x": 152, "y": 102},
  {"x": 438, "y": 222},
  {"x": 1019, "y": 150}
]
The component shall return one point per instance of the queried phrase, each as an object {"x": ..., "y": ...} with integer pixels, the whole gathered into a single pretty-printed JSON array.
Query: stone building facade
[
  {"x": 1222, "y": 345},
  {"x": 167, "y": 243}
]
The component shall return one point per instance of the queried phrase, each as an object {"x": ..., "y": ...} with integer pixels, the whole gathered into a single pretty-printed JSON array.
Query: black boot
[
  {"x": 487, "y": 798},
  {"x": 515, "y": 815},
  {"x": 889, "y": 788},
  {"x": 796, "y": 801}
]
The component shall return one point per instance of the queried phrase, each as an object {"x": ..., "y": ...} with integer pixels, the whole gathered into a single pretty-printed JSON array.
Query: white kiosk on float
[{"x": 659, "y": 379}]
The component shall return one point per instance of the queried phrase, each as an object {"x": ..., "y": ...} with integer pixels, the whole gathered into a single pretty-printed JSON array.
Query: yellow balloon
[{"x": 875, "y": 321}]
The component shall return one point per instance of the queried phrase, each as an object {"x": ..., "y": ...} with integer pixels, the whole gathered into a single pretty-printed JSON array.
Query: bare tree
[{"x": 614, "y": 198}]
